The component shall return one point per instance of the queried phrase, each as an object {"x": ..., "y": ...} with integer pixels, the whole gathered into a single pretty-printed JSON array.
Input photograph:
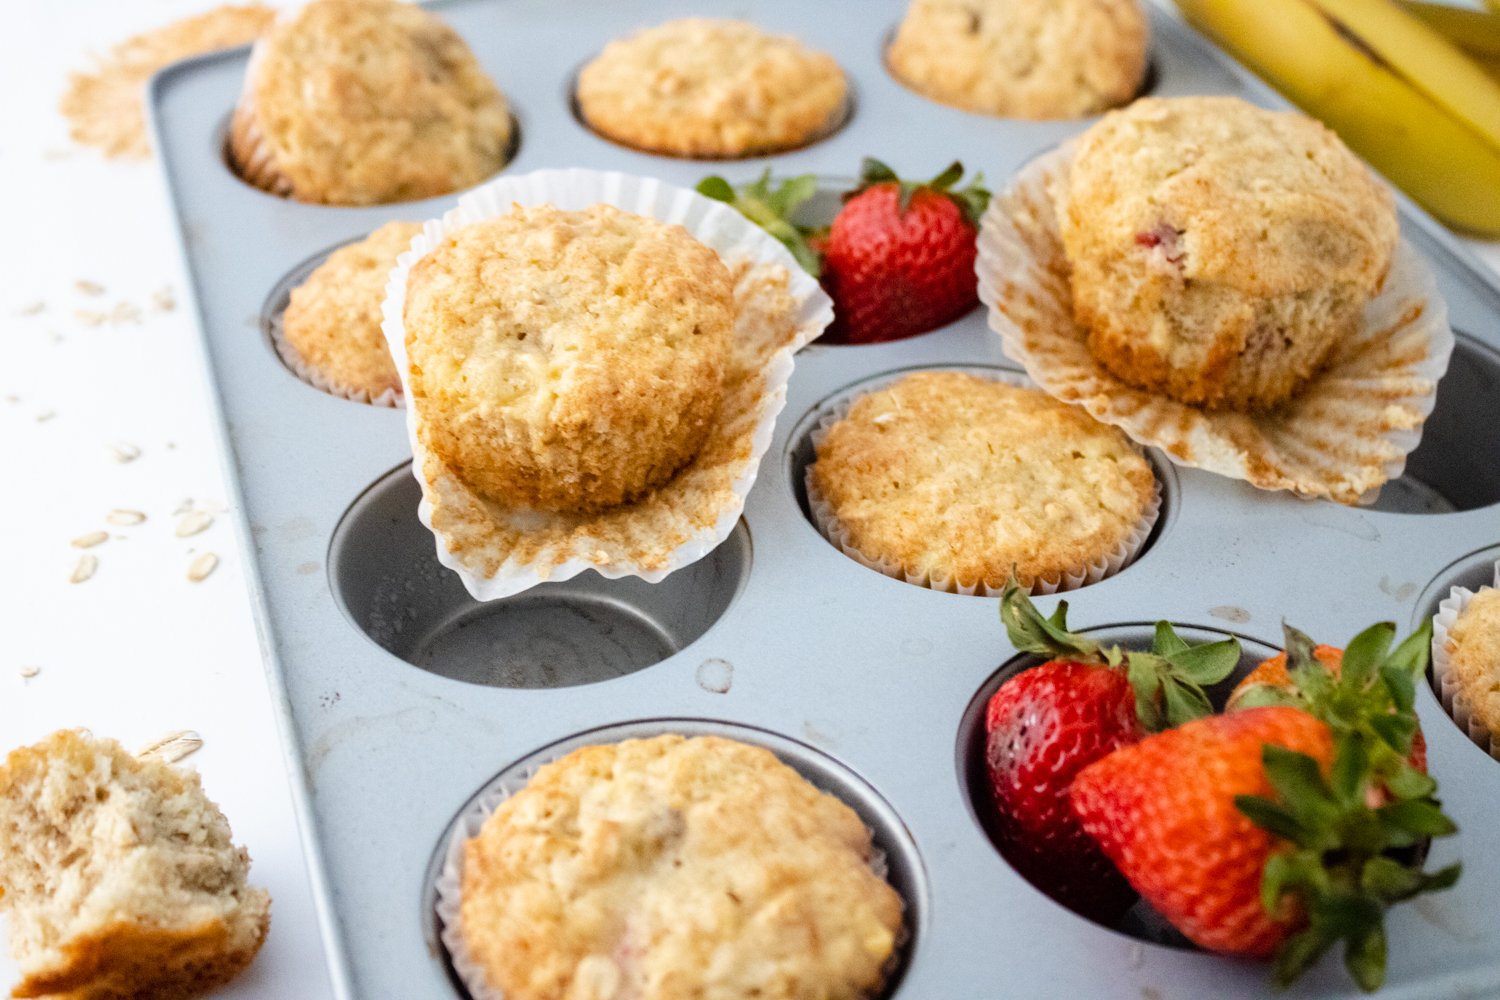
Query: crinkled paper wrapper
[
  {"x": 316, "y": 377},
  {"x": 1455, "y": 701},
  {"x": 500, "y": 551},
  {"x": 450, "y": 879},
  {"x": 1345, "y": 434},
  {"x": 837, "y": 532}
]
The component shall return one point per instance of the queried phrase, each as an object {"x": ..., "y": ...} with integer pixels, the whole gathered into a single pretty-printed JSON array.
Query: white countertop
[{"x": 137, "y": 651}]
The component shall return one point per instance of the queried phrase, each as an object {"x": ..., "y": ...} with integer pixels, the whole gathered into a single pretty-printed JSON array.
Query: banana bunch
[{"x": 1385, "y": 75}]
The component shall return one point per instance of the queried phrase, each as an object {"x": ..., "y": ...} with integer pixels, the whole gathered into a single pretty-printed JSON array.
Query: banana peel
[
  {"x": 1476, "y": 32},
  {"x": 1394, "y": 89}
]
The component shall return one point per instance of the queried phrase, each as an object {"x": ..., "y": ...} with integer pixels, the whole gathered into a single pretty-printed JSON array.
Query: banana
[
  {"x": 1477, "y": 32},
  {"x": 1395, "y": 91}
]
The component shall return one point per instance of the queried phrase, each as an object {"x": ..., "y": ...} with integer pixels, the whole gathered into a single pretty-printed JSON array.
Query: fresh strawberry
[
  {"x": 1273, "y": 673},
  {"x": 900, "y": 256},
  {"x": 1048, "y": 722},
  {"x": 1269, "y": 841}
]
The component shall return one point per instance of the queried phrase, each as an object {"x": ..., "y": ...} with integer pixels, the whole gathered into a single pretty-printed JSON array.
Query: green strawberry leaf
[
  {"x": 1185, "y": 701},
  {"x": 793, "y": 193},
  {"x": 1030, "y": 632},
  {"x": 1272, "y": 818},
  {"x": 872, "y": 171},
  {"x": 1364, "y": 654},
  {"x": 1411, "y": 656},
  {"x": 1419, "y": 817},
  {"x": 1351, "y": 767},
  {"x": 1364, "y": 956},
  {"x": 1146, "y": 681},
  {"x": 949, "y": 177},
  {"x": 1409, "y": 783},
  {"x": 1399, "y": 683},
  {"x": 716, "y": 188},
  {"x": 1209, "y": 663},
  {"x": 1167, "y": 641},
  {"x": 1396, "y": 731},
  {"x": 1297, "y": 954},
  {"x": 1389, "y": 879}
]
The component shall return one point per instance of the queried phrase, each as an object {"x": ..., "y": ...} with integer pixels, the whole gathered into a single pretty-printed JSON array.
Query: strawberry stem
[
  {"x": 771, "y": 209},
  {"x": 972, "y": 200}
]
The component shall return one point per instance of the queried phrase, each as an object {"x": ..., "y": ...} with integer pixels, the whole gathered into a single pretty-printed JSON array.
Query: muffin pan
[{"x": 401, "y": 698}]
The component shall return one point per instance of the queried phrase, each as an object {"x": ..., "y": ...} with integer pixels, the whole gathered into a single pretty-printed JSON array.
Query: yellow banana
[
  {"x": 1493, "y": 5},
  {"x": 1477, "y": 32},
  {"x": 1425, "y": 116}
]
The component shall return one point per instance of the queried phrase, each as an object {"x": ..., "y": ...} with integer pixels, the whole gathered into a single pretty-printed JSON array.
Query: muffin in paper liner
[
  {"x": 318, "y": 379},
  {"x": 837, "y": 533},
  {"x": 449, "y": 884},
  {"x": 1454, "y": 701},
  {"x": 500, "y": 551},
  {"x": 1345, "y": 434}
]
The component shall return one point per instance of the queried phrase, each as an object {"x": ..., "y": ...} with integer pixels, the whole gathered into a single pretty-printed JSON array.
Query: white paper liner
[
  {"x": 1454, "y": 700},
  {"x": 499, "y": 552},
  {"x": 316, "y": 377},
  {"x": 831, "y": 527},
  {"x": 449, "y": 883},
  {"x": 1347, "y": 432}
]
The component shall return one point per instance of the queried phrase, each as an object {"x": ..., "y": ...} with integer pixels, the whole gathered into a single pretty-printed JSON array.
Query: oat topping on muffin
[
  {"x": 568, "y": 361},
  {"x": 711, "y": 88},
  {"x": 359, "y": 102},
  {"x": 1220, "y": 252},
  {"x": 956, "y": 477},
  {"x": 332, "y": 323},
  {"x": 1474, "y": 658},
  {"x": 1023, "y": 58},
  {"x": 676, "y": 869}
]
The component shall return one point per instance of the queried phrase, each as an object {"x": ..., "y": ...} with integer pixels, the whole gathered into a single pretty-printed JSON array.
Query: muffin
[
  {"x": 330, "y": 331},
  {"x": 119, "y": 877},
  {"x": 1219, "y": 252},
  {"x": 360, "y": 102},
  {"x": 1023, "y": 58},
  {"x": 675, "y": 868},
  {"x": 1471, "y": 665},
  {"x": 711, "y": 88},
  {"x": 951, "y": 480},
  {"x": 568, "y": 361}
]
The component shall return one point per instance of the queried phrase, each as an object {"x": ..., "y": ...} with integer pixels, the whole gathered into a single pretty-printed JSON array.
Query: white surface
[{"x": 137, "y": 651}]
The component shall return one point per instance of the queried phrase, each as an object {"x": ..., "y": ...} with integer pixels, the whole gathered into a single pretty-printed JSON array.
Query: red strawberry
[
  {"x": 899, "y": 258},
  {"x": 1274, "y": 839},
  {"x": 1176, "y": 833},
  {"x": 1048, "y": 722}
]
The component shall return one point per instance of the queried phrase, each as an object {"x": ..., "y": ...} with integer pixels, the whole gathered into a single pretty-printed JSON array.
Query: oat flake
[
  {"x": 201, "y": 566},
  {"x": 87, "y": 565},
  {"x": 126, "y": 518},
  {"x": 172, "y": 747},
  {"x": 192, "y": 522},
  {"x": 91, "y": 539}
]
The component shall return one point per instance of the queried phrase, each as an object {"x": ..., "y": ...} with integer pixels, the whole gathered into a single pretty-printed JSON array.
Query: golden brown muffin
[
  {"x": 1023, "y": 58},
  {"x": 568, "y": 361},
  {"x": 676, "y": 869},
  {"x": 711, "y": 88},
  {"x": 119, "y": 876},
  {"x": 359, "y": 102},
  {"x": 332, "y": 323},
  {"x": 1220, "y": 251},
  {"x": 1474, "y": 658},
  {"x": 959, "y": 478}
]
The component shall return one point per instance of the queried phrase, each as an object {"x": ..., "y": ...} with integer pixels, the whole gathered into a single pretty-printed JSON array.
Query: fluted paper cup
[{"x": 1454, "y": 700}]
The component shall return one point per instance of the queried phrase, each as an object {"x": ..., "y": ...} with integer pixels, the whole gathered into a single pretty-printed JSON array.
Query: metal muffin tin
[{"x": 391, "y": 681}]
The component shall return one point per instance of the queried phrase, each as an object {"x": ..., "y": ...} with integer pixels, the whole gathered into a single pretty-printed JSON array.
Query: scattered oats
[
  {"x": 185, "y": 506},
  {"x": 90, "y": 317},
  {"x": 11, "y": 397},
  {"x": 123, "y": 452},
  {"x": 32, "y": 308},
  {"x": 105, "y": 106},
  {"x": 192, "y": 522},
  {"x": 124, "y": 517},
  {"x": 87, "y": 564},
  {"x": 30, "y": 670},
  {"x": 201, "y": 566},
  {"x": 89, "y": 287},
  {"x": 125, "y": 312},
  {"x": 172, "y": 747},
  {"x": 45, "y": 416},
  {"x": 163, "y": 300},
  {"x": 91, "y": 539}
]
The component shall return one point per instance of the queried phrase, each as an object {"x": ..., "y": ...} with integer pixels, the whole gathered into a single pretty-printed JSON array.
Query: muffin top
[
  {"x": 1023, "y": 58},
  {"x": 332, "y": 322},
  {"x": 358, "y": 102},
  {"x": 1265, "y": 202},
  {"x": 676, "y": 868},
  {"x": 960, "y": 477},
  {"x": 711, "y": 88},
  {"x": 1474, "y": 656},
  {"x": 568, "y": 361}
]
